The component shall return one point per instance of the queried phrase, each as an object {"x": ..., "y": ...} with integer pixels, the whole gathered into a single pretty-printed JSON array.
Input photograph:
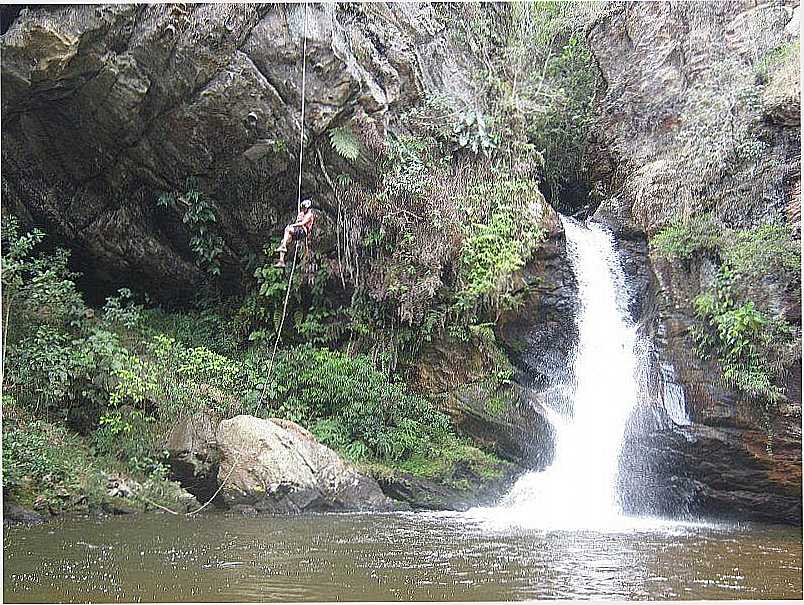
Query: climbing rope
[
  {"x": 301, "y": 124},
  {"x": 298, "y": 200},
  {"x": 218, "y": 491},
  {"x": 197, "y": 510},
  {"x": 290, "y": 279},
  {"x": 284, "y": 313}
]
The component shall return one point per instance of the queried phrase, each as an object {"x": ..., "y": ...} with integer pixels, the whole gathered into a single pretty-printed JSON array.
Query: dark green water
[{"x": 391, "y": 557}]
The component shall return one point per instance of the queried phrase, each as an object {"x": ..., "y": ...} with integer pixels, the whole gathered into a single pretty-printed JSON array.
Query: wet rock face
[
  {"x": 422, "y": 494},
  {"x": 716, "y": 462},
  {"x": 710, "y": 456},
  {"x": 541, "y": 335},
  {"x": 540, "y": 340},
  {"x": 701, "y": 470},
  {"x": 106, "y": 106},
  {"x": 509, "y": 421},
  {"x": 732, "y": 460}
]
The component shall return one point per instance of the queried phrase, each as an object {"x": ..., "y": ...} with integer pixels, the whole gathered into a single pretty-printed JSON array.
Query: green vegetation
[
  {"x": 107, "y": 385},
  {"x": 752, "y": 254},
  {"x": 199, "y": 216},
  {"x": 753, "y": 348},
  {"x": 562, "y": 127},
  {"x": 345, "y": 143},
  {"x": 684, "y": 240},
  {"x": 433, "y": 224},
  {"x": 774, "y": 58},
  {"x": 540, "y": 83},
  {"x": 441, "y": 465},
  {"x": 472, "y": 133},
  {"x": 46, "y": 461},
  {"x": 353, "y": 407},
  {"x": 767, "y": 251},
  {"x": 499, "y": 244}
]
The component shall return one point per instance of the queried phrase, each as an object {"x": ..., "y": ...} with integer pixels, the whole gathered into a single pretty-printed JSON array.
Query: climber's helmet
[{"x": 307, "y": 204}]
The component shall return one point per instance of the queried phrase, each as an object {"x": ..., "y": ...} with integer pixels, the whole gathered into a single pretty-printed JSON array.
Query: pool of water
[{"x": 397, "y": 556}]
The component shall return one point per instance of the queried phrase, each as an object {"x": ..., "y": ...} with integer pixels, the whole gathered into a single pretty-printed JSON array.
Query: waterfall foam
[{"x": 579, "y": 489}]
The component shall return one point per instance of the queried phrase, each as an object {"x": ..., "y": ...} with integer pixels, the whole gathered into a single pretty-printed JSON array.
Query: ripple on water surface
[{"x": 432, "y": 556}]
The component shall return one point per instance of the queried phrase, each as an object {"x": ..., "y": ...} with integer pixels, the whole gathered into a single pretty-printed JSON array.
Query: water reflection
[{"x": 391, "y": 557}]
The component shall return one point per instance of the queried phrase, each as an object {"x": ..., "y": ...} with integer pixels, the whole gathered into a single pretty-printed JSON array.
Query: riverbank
[{"x": 52, "y": 472}]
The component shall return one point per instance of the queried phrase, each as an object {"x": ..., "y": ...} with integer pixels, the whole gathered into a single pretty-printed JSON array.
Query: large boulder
[{"x": 276, "y": 466}]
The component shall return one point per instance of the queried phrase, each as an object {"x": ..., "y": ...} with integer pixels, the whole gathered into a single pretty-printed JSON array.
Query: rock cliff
[
  {"x": 702, "y": 114},
  {"x": 106, "y": 107}
]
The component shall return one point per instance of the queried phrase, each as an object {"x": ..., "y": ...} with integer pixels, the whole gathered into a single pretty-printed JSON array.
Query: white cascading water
[{"x": 579, "y": 490}]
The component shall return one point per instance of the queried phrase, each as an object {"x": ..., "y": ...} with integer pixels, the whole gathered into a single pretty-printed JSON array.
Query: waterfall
[{"x": 579, "y": 489}]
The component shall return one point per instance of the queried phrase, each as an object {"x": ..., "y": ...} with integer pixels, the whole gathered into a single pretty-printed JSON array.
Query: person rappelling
[{"x": 298, "y": 231}]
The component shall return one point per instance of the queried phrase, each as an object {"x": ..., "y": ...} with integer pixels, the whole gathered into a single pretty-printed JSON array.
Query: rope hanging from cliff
[
  {"x": 301, "y": 124},
  {"x": 284, "y": 313},
  {"x": 290, "y": 279},
  {"x": 298, "y": 199}
]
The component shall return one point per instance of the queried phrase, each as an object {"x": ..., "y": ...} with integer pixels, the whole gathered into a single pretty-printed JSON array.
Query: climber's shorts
[{"x": 299, "y": 233}]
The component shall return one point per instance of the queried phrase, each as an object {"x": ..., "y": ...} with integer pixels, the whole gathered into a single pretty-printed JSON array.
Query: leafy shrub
[
  {"x": 351, "y": 406},
  {"x": 62, "y": 375},
  {"x": 472, "y": 133},
  {"x": 43, "y": 459},
  {"x": 38, "y": 288},
  {"x": 683, "y": 240},
  {"x": 768, "y": 250},
  {"x": 752, "y": 349},
  {"x": 751, "y": 254},
  {"x": 412, "y": 161},
  {"x": 562, "y": 126},
  {"x": 121, "y": 310},
  {"x": 200, "y": 218},
  {"x": 345, "y": 143},
  {"x": 211, "y": 328},
  {"x": 182, "y": 379},
  {"x": 499, "y": 245},
  {"x": 126, "y": 435}
]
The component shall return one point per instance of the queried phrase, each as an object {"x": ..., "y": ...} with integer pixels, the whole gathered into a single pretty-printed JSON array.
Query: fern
[{"x": 345, "y": 143}]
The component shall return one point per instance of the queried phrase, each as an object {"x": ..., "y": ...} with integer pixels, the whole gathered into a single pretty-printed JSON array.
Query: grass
[
  {"x": 440, "y": 466},
  {"x": 47, "y": 466}
]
